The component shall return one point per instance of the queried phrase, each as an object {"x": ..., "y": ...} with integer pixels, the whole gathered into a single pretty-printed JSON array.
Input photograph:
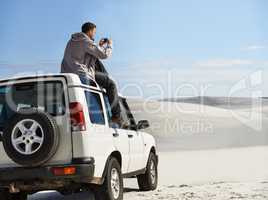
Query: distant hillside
[{"x": 222, "y": 102}]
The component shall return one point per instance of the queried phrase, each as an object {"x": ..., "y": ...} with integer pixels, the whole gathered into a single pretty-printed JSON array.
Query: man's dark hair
[{"x": 88, "y": 26}]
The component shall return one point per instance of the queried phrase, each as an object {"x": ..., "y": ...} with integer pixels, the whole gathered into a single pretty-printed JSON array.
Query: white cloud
[
  {"x": 223, "y": 63},
  {"x": 254, "y": 48},
  {"x": 219, "y": 79}
]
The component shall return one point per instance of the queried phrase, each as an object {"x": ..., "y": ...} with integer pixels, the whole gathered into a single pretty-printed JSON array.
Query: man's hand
[
  {"x": 110, "y": 42},
  {"x": 102, "y": 42},
  {"x": 105, "y": 41}
]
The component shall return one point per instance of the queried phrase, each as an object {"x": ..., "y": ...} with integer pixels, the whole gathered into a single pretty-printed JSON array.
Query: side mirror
[{"x": 143, "y": 124}]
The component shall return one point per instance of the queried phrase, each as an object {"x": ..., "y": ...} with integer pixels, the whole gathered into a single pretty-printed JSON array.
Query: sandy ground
[
  {"x": 214, "y": 191},
  {"x": 210, "y": 174},
  {"x": 226, "y": 157}
]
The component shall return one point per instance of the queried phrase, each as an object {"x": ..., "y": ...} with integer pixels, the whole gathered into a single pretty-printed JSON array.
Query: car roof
[{"x": 72, "y": 80}]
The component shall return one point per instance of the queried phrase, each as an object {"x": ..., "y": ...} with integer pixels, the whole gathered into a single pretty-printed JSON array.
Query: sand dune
[
  {"x": 183, "y": 126},
  {"x": 223, "y": 102}
]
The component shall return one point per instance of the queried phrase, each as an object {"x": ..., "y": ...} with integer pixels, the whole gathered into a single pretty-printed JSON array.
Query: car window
[
  {"x": 131, "y": 120},
  {"x": 47, "y": 96},
  {"x": 124, "y": 114},
  {"x": 95, "y": 109},
  {"x": 108, "y": 108}
]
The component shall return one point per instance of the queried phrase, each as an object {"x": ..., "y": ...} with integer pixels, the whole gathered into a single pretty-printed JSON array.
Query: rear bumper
[{"x": 83, "y": 170}]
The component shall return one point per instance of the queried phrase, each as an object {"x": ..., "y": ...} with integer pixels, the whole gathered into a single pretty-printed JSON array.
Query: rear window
[
  {"x": 95, "y": 108},
  {"x": 46, "y": 96}
]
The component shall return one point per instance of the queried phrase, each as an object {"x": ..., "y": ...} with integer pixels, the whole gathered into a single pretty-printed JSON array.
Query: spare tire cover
[{"x": 31, "y": 137}]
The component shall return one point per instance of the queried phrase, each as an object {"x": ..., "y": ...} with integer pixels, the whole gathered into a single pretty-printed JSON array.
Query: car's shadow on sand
[
  {"x": 79, "y": 196},
  {"x": 57, "y": 196},
  {"x": 126, "y": 190}
]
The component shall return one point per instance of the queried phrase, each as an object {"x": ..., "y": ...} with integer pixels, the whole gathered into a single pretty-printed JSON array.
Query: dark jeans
[{"x": 109, "y": 85}]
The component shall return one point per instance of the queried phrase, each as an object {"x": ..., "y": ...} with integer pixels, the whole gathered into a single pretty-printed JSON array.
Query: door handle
[
  {"x": 130, "y": 136},
  {"x": 115, "y": 134}
]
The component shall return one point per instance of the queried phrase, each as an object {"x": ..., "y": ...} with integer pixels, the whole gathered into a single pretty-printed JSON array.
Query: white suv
[{"x": 56, "y": 134}]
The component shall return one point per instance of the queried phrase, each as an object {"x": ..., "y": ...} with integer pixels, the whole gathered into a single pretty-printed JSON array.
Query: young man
[{"x": 82, "y": 56}]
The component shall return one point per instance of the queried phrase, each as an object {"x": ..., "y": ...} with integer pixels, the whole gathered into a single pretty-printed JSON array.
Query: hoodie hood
[{"x": 76, "y": 37}]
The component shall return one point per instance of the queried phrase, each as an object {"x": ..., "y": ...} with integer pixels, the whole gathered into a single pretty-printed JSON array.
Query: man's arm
[{"x": 98, "y": 51}]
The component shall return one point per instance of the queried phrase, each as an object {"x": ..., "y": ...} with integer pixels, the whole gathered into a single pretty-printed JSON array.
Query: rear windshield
[{"x": 46, "y": 96}]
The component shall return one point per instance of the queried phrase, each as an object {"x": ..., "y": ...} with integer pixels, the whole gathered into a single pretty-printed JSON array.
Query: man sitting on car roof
[{"x": 82, "y": 57}]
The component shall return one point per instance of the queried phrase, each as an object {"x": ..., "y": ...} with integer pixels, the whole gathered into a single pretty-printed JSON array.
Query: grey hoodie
[{"x": 81, "y": 54}]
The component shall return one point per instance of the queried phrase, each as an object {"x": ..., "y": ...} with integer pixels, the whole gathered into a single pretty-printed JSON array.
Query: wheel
[
  {"x": 149, "y": 180},
  {"x": 5, "y": 195},
  {"x": 31, "y": 137},
  {"x": 112, "y": 188}
]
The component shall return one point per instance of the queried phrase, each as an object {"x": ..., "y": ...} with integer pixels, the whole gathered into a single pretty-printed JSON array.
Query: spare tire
[{"x": 31, "y": 137}]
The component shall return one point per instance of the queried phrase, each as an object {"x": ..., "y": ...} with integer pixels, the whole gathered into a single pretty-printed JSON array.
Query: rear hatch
[{"x": 48, "y": 94}]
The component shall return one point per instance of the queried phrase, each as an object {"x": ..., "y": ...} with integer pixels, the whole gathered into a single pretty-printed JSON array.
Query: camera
[{"x": 105, "y": 40}]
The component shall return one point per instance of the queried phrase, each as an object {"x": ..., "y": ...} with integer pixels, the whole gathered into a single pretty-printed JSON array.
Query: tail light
[
  {"x": 77, "y": 117},
  {"x": 63, "y": 171}
]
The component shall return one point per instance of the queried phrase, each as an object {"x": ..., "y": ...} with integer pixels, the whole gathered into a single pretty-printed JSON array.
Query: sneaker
[
  {"x": 120, "y": 122},
  {"x": 117, "y": 120}
]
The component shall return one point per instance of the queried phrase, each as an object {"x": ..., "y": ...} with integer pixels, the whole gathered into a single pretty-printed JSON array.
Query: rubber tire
[
  {"x": 51, "y": 138},
  {"x": 104, "y": 192},
  {"x": 5, "y": 195},
  {"x": 144, "y": 180}
]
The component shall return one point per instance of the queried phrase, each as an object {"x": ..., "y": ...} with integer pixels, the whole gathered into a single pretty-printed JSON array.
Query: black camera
[{"x": 105, "y": 40}]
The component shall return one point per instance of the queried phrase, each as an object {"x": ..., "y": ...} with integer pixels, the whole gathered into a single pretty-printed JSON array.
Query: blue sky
[{"x": 159, "y": 45}]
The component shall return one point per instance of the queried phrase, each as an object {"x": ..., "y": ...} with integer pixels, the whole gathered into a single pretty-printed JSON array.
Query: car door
[
  {"x": 96, "y": 141},
  {"x": 136, "y": 144},
  {"x": 120, "y": 138}
]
